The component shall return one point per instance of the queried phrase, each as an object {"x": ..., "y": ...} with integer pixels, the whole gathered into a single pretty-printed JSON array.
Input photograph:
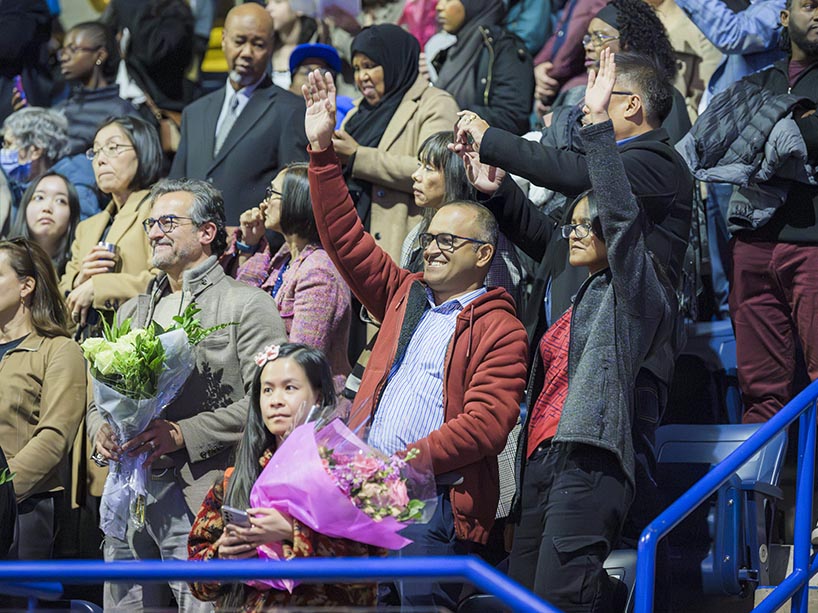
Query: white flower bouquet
[{"x": 136, "y": 374}]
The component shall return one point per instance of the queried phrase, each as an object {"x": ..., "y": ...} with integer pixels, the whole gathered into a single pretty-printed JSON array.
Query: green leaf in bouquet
[
  {"x": 6, "y": 476},
  {"x": 193, "y": 328},
  {"x": 413, "y": 510}
]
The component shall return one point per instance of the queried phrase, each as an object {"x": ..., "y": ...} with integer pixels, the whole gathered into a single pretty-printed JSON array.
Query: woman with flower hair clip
[{"x": 290, "y": 377}]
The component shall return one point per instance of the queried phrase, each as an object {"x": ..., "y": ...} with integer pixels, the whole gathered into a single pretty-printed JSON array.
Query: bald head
[
  {"x": 247, "y": 42},
  {"x": 249, "y": 11}
]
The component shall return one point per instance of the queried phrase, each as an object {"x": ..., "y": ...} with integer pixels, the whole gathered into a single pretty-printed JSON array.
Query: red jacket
[{"x": 485, "y": 368}]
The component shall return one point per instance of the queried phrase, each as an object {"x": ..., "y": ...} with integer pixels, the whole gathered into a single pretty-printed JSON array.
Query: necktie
[{"x": 227, "y": 124}]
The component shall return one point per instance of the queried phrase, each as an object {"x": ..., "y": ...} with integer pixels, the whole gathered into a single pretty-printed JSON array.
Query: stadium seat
[
  {"x": 621, "y": 568},
  {"x": 706, "y": 377},
  {"x": 729, "y": 539}
]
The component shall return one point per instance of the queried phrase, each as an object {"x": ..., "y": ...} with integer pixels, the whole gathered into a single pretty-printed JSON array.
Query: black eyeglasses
[
  {"x": 270, "y": 192},
  {"x": 74, "y": 49},
  {"x": 445, "y": 241},
  {"x": 167, "y": 223},
  {"x": 582, "y": 230},
  {"x": 616, "y": 93}
]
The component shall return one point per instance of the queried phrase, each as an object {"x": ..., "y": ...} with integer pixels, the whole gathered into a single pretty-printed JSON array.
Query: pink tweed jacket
[{"x": 313, "y": 300}]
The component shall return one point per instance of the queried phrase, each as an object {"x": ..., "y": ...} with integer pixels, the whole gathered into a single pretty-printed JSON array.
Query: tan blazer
[
  {"x": 423, "y": 111},
  {"x": 42, "y": 402},
  {"x": 114, "y": 288}
]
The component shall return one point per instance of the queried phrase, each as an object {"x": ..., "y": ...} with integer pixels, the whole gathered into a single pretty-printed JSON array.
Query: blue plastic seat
[
  {"x": 714, "y": 343},
  {"x": 739, "y": 520}
]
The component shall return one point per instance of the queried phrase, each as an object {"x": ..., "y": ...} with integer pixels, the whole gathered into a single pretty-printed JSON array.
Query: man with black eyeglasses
[
  {"x": 447, "y": 372},
  {"x": 191, "y": 443}
]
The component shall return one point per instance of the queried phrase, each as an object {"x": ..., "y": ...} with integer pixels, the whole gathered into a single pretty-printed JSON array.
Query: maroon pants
[{"x": 773, "y": 304}]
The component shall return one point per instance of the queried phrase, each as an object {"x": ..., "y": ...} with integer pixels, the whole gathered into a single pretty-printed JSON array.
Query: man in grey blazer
[
  {"x": 190, "y": 445},
  {"x": 239, "y": 137}
]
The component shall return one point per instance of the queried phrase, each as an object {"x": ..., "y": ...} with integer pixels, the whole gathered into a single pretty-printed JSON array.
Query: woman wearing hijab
[
  {"x": 488, "y": 69},
  {"x": 380, "y": 137}
]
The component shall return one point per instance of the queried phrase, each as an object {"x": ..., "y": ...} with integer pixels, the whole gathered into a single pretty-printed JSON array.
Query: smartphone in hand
[
  {"x": 18, "y": 86},
  {"x": 237, "y": 517}
]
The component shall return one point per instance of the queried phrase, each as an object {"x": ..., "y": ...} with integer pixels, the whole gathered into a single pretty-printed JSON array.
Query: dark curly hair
[{"x": 640, "y": 31}]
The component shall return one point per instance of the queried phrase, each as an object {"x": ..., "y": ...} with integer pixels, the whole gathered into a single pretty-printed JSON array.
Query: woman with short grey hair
[{"x": 35, "y": 141}]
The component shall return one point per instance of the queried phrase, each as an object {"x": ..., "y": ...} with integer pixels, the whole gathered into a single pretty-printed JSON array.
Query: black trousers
[
  {"x": 35, "y": 529},
  {"x": 574, "y": 502}
]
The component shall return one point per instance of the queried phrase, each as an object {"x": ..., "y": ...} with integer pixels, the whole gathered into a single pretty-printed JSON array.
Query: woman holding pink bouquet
[{"x": 290, "y": 377}]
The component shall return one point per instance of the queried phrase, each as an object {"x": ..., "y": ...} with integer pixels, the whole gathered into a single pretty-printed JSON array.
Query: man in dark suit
[{"x": 239, "y": 137}]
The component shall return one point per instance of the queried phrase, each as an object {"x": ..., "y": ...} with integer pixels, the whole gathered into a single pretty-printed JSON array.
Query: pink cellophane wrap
[{"x": 295, "y": 482}]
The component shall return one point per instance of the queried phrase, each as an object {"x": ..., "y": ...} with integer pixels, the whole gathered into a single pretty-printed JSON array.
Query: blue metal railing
[
  {"x": 345, "y": 570},
  {"x": 795, "y": 586}
]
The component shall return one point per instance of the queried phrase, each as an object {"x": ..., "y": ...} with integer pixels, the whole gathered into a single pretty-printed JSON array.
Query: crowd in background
[{"x": 666, "y": 147}]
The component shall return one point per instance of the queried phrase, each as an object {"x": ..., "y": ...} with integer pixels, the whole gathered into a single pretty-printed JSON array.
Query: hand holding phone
[
  {"x": 18, "y": 87},
  {"x": 237, "y": 517}
]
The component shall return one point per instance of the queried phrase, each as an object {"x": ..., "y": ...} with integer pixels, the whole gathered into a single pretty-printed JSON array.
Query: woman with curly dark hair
[{"x": 632, "y": 25}]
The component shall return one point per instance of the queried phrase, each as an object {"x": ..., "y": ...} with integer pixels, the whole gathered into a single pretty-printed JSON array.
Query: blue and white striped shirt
[{"x": 411, "y": 406}]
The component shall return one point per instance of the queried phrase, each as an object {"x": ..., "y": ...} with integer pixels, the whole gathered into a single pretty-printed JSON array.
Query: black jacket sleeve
[
  {"x": 557, "y": 169},
  {"x": 522, "y": 223}
]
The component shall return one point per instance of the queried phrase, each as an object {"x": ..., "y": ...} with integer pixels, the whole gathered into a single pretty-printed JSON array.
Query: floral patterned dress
[{"x": 306, "y": 543}]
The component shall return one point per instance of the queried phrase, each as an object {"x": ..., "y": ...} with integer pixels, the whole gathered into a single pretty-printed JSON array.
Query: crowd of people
[{"x": 482, "y": 225}]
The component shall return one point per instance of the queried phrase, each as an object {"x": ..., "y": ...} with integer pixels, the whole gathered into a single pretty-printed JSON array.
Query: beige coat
[
  {"x": 423, "y": 111},
  {"x": 697, "y": 57},
  {"x": 42, "y": 401},
  {"x": 135, "y": 272}
]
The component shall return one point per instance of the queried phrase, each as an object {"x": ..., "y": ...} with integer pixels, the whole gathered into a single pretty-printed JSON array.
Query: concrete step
[{"x": 780, "y": 567}]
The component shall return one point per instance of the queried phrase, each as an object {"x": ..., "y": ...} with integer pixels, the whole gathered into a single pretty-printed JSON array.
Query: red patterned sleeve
[{"x": 206, "y": 530}]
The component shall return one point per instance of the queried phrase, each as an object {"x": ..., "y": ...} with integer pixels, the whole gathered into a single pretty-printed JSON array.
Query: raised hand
[
  {"x": 469, "y": 130},
  {"x": 319, "y": 120},
  {"x": 484, "y": 178},
  {"x": 600, "y": 87},
  {"x": 252, "y": 226}
]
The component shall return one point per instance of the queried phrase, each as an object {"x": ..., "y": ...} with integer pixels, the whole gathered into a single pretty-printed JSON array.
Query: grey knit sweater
[{"x": 620, "y": 315}]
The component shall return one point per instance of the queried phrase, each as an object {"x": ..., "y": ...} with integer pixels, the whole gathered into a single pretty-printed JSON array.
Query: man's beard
[{"x": 799, "y": 39}]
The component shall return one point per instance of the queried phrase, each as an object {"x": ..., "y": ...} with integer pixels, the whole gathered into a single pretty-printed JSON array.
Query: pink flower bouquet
[{"x": 336, "y": 484}]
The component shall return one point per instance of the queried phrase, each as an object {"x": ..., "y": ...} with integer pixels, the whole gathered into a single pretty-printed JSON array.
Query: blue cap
[{"x": 318, "y": 51}]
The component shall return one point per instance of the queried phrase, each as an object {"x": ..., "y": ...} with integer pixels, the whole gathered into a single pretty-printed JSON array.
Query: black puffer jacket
[
  {"x": 737, "y": 124},
  {"x": 797, "y": 220}
]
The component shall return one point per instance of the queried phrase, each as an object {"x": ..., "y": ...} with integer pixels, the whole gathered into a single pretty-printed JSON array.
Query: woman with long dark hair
[
  {"x": 291, "y": 378},
  {"x": 49, "y": 213},
  {"x": 311, "y": 296},
  {"x": 42, "y": 375}
]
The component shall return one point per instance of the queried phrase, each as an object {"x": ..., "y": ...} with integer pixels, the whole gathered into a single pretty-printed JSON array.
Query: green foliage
[
  {"x": 130, "y": 361},
  {"x": 6, "y": 476},
  {"x": 188, "y": 322}
]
